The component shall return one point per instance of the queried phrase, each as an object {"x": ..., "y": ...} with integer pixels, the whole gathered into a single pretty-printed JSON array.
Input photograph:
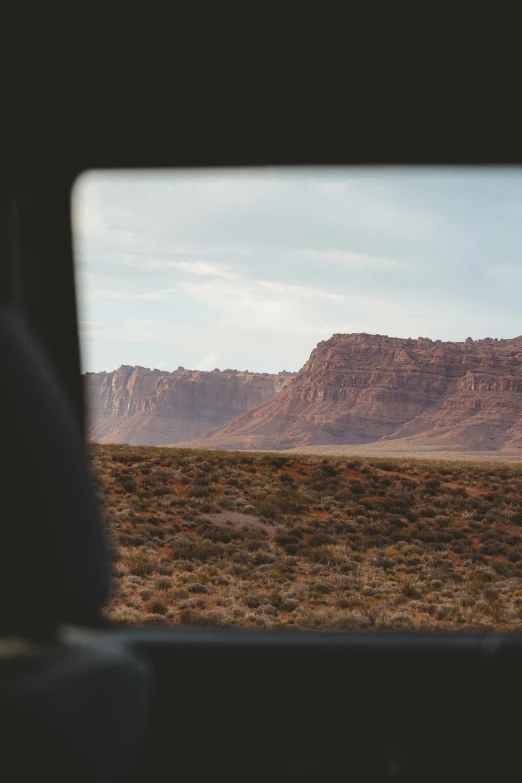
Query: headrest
[{"x": 54, "y": 561}]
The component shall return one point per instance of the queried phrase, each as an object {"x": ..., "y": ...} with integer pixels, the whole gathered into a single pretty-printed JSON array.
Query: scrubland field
[{"x": 246, "y": 539}]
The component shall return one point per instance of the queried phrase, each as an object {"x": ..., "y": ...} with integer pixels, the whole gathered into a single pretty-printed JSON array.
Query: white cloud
[
  {"x": 350, "y": 259},
  {"x": 208, "y": 362},
  {"x": 199, "y": 268},
  {"x": 161, "y": 366},
  {"x": 340, "y": 328},
  {"x": 263, "y": 298},
  {"x": 98, "y": 294},
  {"x": 287, "y": 290}
]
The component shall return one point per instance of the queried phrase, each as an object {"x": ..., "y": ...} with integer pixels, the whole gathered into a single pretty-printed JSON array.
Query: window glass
[{"x": 304, "y": 392}]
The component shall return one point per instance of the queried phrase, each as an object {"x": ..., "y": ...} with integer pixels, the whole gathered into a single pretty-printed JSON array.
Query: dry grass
[{"x": 271, "y": 540}]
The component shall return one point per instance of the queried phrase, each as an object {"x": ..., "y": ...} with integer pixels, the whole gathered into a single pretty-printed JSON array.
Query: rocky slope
[
  {"x": 361, "y": 388},
  {"x": 153, "y": 407}
]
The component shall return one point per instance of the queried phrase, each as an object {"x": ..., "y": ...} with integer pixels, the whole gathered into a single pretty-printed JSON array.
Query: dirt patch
[
  {"x": 234, "y": 520},
  {"x": 473, "y": 492}
]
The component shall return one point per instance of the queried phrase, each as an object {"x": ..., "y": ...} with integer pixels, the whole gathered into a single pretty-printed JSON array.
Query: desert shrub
[
  {"x": 197, "y": 587},
  {"x": 180, "y": 593},
  {"x": 289, "y": 501},
  {"x": 289, "y": 604},
  {"x": 157, "y": 607},
  {"x": 432, "y": 486},
  {"x": 253, "y": 600},
  {"x": 323, "y": 588},
  {"x": 140, "y": 563},
  {"x": 493, "y": 548},
  {"x": 502, "y": 568},
  {"x": 263, "y": 558},
  {"x": 328, "y": 468},
  {"x": 320, "y": 539},
  {"x": 200, "y": 492},
  {"x": 410, "y": 587},
  {"x": 399, "y": 522},
  {"x": 283, "y": 540},
  {"x": 268, "y": 508},
  {"x": 320, "y": 554},
  {"x": 163, "y": 583},
  {"x": 276, "y": 462}
]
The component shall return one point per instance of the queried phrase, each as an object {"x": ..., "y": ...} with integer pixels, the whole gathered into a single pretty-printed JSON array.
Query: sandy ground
[
  {"x": 236, "y": 520},
  {"x": 402, "y": 450}
]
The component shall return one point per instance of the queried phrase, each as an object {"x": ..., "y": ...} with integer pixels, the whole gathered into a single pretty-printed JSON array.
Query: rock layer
[
  {"x": 361, "y": 388},
  {"x": 153, "y": 407}
]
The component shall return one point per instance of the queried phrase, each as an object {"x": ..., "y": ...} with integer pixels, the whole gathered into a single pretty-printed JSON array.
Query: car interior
[{"x": 83, "y": 701}]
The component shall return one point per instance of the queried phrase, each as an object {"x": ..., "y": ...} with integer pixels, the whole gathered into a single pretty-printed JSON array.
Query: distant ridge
[
  {"x": 155, "y": 407},
  {"x": 359, "y": 389}
]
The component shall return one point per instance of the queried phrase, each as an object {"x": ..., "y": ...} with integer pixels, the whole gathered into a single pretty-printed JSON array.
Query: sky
[{"x": 251, "y": 268}]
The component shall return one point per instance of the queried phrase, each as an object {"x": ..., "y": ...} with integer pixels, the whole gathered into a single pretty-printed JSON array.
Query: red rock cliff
[
  {"x": 361, "y": 388},
  {"x": 153, "y": 407}
]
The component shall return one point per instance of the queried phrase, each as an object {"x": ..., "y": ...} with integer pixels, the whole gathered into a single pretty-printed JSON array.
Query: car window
[{"x": 304, "y": 394}]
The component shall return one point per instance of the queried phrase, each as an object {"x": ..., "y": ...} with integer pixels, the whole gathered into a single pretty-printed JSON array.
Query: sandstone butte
[
  {"x": 152, "y": 407},
  {"x": 363, "y": 389}
]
